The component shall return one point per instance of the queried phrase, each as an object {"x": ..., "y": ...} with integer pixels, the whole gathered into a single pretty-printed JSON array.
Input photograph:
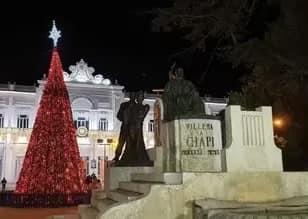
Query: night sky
[{"x": 117, "y": 42}]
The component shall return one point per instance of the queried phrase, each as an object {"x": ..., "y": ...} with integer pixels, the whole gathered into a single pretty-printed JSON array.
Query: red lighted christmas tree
[{"x": 52, "y": 164}]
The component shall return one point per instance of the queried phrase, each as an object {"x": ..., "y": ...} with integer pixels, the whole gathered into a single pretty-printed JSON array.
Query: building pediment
[{"x": 82, "y": 73}]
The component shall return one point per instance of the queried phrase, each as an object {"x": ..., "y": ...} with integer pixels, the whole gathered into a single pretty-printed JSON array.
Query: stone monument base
[
  {"x": 114, "y": 175},
  {"x": 295, "y": 207},
  {"x": 125, "y": 163},
  {"x": 240, "y": 191},
  {"x": 192, "y": 145}
]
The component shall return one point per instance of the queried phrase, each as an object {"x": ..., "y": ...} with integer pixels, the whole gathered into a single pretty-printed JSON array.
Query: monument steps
[
  {"x": 99, "y": 194},
  {"x": 87, "y": 211},
  {"x": 148, "y": 177},
  {"x": 68, "y": 216},
  {"x": 96, "y": 208},
  {"x": 121, "y": 195},
  {"x": 103, "y": 204},
  {"x": 139, "y": 186},
  {"x": 158, "y": 177}
]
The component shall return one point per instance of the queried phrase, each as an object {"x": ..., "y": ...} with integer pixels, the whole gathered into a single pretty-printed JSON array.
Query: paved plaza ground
[{"x": 34, "y": 213}]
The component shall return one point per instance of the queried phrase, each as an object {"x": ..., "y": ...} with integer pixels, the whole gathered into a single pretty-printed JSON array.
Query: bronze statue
[
  {"x": 180, "y": 98},
  {"x": 132, "y": 135},
  {"x": 123, "y": 115}
]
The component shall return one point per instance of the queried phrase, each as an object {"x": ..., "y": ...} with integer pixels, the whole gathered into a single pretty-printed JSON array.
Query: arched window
[{"x": 82, "y": 103}]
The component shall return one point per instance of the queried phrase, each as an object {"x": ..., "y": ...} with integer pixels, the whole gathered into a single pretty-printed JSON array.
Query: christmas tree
[{"x": 52, "y": 164}]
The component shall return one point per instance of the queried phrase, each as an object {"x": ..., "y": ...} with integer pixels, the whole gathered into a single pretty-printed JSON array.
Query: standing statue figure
[
  {"x": 124, "y": 116},
  {"x": 140, "y": 113},
  {"x": 134, "y": 153}
]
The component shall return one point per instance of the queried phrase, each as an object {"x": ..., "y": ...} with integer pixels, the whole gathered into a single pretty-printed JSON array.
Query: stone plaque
[{"x": 200, "y": 145}]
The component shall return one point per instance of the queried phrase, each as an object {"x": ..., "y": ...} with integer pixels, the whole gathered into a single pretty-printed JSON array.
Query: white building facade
[{"x": 95, "y": 102}]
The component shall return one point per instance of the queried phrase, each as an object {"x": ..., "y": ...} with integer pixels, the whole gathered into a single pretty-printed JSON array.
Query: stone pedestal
[
  {"x": 288, "y": 209},
  {"x": 250, "y": 141},
  {"x": 115, "y": 175},
  {"x": 192, "y": 145}
]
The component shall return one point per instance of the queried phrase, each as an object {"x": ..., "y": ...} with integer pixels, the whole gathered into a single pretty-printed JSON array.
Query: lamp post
[
  {"x": 278, "y": 123},
  {"x": 93, "y": 160}
]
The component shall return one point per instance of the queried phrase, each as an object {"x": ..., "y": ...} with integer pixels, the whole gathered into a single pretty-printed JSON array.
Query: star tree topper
[{"x": 54, "y": 34}]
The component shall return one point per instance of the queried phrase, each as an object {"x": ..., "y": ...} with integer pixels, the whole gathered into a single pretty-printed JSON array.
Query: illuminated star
[{"x": 55, "y": 34}]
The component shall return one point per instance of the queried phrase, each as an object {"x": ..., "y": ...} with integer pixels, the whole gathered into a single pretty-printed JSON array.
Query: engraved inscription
[
  {"x": 201, "y": 145},
  {"x": 200, "y": 139}
]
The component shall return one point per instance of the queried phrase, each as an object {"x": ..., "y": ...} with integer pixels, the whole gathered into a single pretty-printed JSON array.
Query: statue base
[{"x": 125, "y": 163}]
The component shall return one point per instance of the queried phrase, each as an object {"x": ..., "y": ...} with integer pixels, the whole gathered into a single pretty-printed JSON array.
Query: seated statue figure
[{"x": 180, "y": 98}]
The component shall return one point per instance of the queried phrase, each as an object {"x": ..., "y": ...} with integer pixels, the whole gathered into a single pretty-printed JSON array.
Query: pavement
[{"x": 35, "y": 213}]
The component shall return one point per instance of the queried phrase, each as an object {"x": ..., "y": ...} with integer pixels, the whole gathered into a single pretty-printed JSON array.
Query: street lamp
[
  {"x": 278, "y": 123},
  {"x": 279, "y": 128}
]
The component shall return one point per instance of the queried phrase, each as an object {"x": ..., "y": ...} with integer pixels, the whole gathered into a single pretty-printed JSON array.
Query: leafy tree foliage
[
  {"x": 215, "y": 27},
  {"x": 279, "y": 63},
  {"x": 270, "y": 38},
  {"x": 203, "y": 19}
]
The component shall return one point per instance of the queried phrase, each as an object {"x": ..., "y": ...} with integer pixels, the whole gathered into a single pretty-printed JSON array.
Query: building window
[
  {"x": 81, "y": 122},
  {"x": 23, "y": 121},
  {"x": 1, "y": 121},
  {"x": 103, "y": 124},
  {"x": 18, "y": 165},
  {"x": 151, "y": 126}
]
